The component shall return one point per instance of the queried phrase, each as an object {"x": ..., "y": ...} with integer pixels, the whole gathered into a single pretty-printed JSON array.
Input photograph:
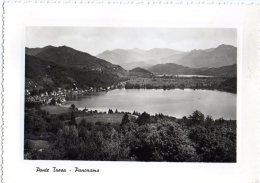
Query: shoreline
[{"x": 105, "y": 111}]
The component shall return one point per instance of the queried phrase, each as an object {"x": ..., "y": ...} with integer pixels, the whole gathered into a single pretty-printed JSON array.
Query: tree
[
  {"x": 83, "y": 123},
  {"x": 219, "y": 121},
  {"x": 72, "y": 119},
  {"x": 143, "y": 119},
  {"x": 73, "y": 107},
  {"x": 125, "y": 119},
  {"x": 214, "y": 144},
  {"x": 53, "y": 101},
  {"x": 136, "y": 113},
  {"x": 163, "y": 141},
  {"x": 59, "y": 101},
  {"x": 34, "y": 123},
  {"x": 209, "y": 120},
  {"x": 196, "y": 117}
]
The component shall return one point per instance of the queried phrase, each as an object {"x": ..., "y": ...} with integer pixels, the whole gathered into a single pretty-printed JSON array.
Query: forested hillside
[{"x": 52, "y": 67}]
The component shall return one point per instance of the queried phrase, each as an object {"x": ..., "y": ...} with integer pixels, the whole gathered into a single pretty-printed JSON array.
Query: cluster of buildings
[
  {"x": 56, "y": 96},
  {"x": 60, "y": 95}
]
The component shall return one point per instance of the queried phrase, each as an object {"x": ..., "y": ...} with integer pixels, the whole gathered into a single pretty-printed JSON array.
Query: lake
[
  {"x": 177, "y": 103},
  {"x": 190, "y": 76}
]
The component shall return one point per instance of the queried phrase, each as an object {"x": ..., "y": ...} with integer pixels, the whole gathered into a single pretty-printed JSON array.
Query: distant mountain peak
[
  {"x": 225, "y": 46},
  {"x": 49, "y": 46},
  {"x": 136, "y": 57},
  {"x": 220, "y": 56},
  {"x": 64, "y": 46},
  {"x": 138, "y": 69}
]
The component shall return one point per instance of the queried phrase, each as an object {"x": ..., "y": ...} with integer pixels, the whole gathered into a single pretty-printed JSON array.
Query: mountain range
[
  {"x": 222, "y": 55},
  {"x": 132, "y": 58},
  {"x": 52, "y": 67}
]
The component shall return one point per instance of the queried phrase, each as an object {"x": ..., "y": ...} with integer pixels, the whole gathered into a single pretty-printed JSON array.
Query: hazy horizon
[
  {"x": 95, "y": 40},
  {"x": 125, "y": 49}
]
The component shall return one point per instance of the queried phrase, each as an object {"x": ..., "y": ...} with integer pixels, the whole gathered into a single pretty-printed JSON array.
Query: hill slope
[
  {"x": 52, "y": 67},
  {"x": 69, "y": 57},
  {"x": 169, "y": 68},
  {"x": 140, "y": 72},
  {"x": 223, "y": 55},
  {"x": 41, "y": 74},
  {"x": 225, "y": 71},
  {"x": 175, "y": 69}
]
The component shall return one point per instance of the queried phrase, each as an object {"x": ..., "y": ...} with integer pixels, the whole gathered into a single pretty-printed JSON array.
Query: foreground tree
[
  {"x": 125, "y": 119},
  {"x": 53, "y": 101},
  {"x": 110, "y": 111},
  {"x": 72, "y": 119},
  {"x": 196, "y": 117},
  {"x": 144, "y": 118}
]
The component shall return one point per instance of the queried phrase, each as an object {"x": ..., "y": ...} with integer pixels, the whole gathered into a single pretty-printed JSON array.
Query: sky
[{"x": 95, "y": 40}]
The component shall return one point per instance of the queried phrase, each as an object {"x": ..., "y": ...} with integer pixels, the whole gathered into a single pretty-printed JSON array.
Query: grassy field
[
  {"x": 55, "y": 109},
  {"x": 105, "y": 118}
]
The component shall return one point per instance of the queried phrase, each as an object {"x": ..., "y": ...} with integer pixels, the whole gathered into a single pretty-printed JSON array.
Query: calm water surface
[
  {"x": 190, "y": 76},
  {"x": 177, "y": 103}
]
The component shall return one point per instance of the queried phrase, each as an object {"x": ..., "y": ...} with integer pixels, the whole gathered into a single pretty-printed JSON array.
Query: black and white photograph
[
  {"x": 131, "y": 94},
  {"x": 130, "y": 91}
]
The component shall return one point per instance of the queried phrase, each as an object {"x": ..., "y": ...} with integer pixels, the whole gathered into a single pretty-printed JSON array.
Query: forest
[{"x": 137, "y": 137}]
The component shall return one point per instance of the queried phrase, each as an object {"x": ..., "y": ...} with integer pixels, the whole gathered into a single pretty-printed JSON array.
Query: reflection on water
[{"x": 177, "y": 103}]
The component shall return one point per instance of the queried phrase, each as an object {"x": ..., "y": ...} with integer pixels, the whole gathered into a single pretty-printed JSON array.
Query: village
[{"x": 61, "y": 95}]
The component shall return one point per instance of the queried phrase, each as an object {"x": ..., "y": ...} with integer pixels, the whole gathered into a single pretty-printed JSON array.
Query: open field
[
  {"x": 104, "y": 118},
  {"x": 55, "y": 109}
]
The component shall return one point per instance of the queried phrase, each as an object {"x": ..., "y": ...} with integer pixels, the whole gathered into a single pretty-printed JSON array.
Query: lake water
[
  {"x": 177, "y": 103},
  {"x": 190, "y": 76}
]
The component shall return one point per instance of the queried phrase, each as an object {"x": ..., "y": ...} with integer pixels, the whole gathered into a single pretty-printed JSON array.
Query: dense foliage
[
  {"x": 48, "y": 75},
  {"x": 139, "y": 137}
]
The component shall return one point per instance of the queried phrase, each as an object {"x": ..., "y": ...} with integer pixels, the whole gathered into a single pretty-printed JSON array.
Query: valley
[
  {"x": 131, "y": 105},
  {"x": 50, "y": 68}
]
